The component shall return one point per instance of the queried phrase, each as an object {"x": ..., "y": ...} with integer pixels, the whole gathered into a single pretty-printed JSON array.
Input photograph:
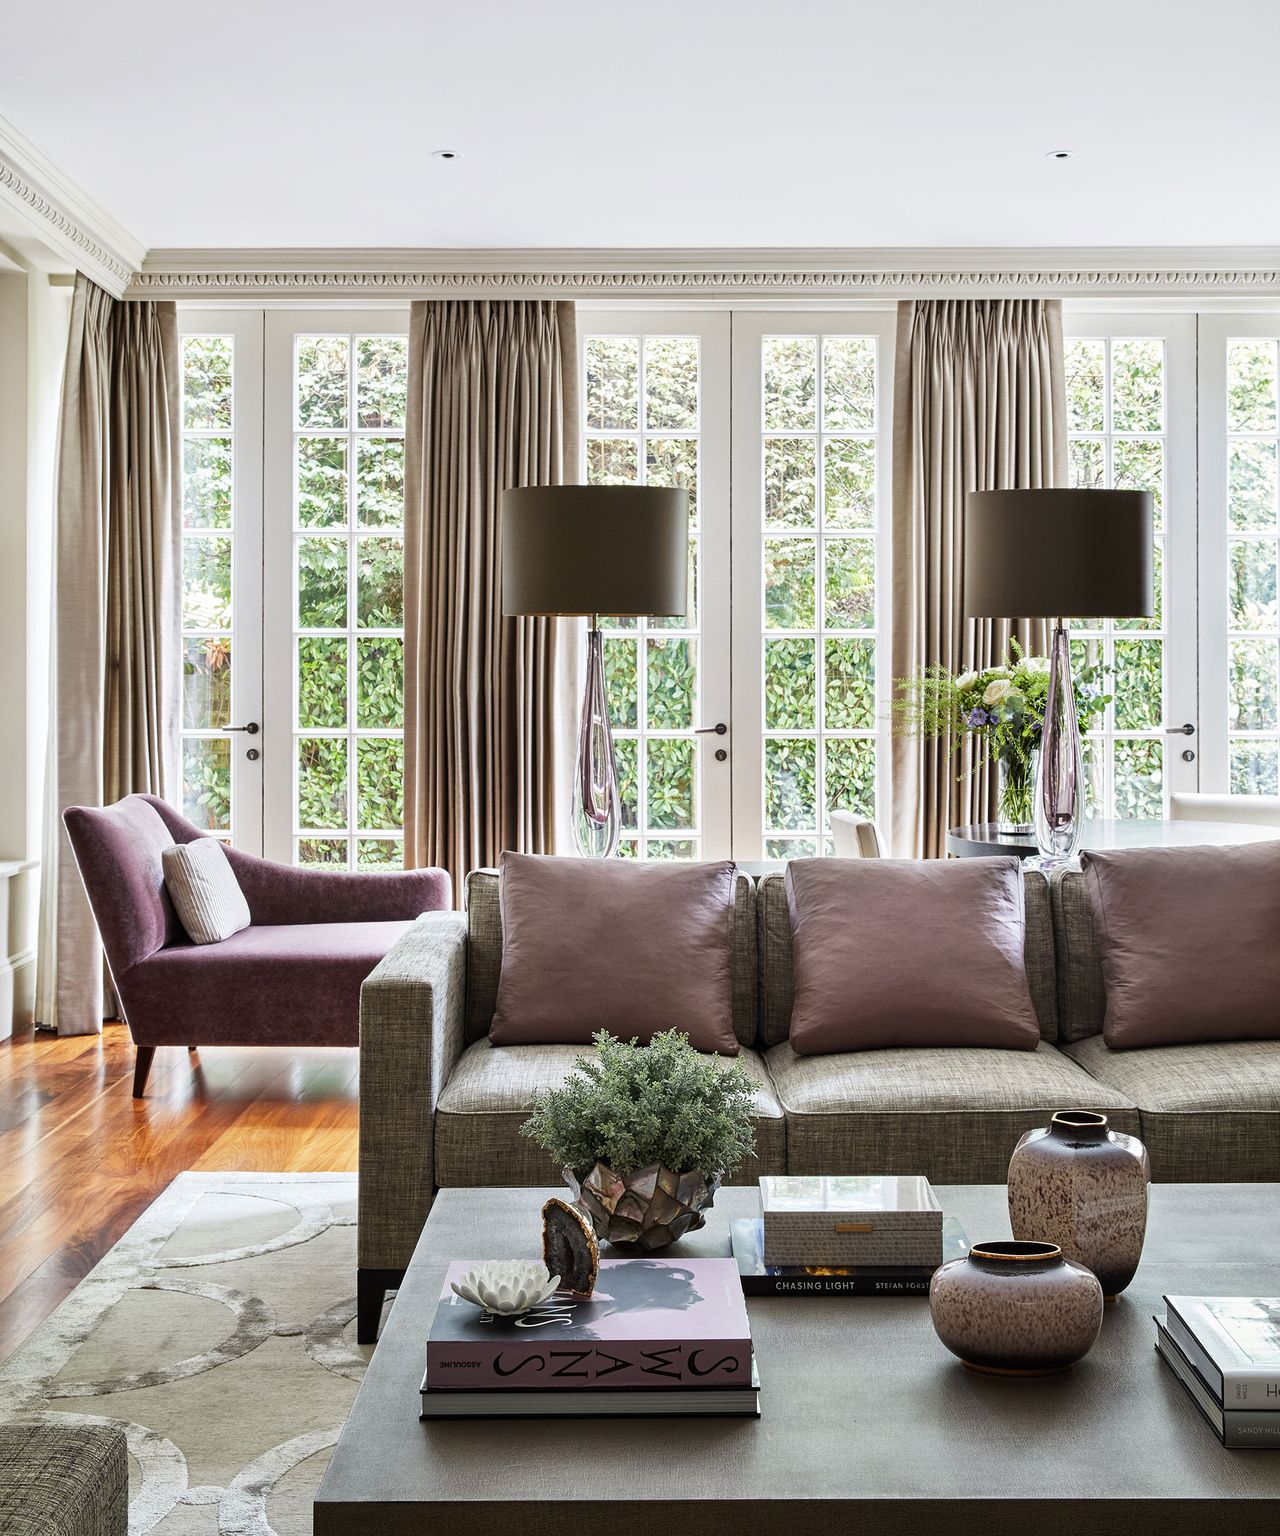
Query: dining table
[{"x": 984, "y": 839}]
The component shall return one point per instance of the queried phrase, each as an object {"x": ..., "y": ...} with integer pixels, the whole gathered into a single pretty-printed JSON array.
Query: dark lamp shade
[
  {"x": 1059, "y": 554},
  {"x": 590, "y": 549}
]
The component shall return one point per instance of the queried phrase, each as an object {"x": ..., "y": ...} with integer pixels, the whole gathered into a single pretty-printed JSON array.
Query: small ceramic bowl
[{"x": 1016, "y": 1308}]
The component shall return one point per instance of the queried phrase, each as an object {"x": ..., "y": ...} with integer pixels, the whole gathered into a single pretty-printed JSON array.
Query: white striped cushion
[{"x": 204, "y": 890}]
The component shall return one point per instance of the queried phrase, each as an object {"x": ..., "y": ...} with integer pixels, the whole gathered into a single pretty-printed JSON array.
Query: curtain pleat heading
[
  {"x": 979, "y": 404},
  {"x": 488, "y": 700}
]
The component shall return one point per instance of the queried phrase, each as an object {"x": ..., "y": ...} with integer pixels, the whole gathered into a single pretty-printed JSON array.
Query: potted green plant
[{"x": 645, "y": 1135}]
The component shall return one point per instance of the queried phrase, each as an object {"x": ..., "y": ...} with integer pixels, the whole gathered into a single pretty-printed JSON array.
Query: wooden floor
[{"x": 80, "y": 1158}]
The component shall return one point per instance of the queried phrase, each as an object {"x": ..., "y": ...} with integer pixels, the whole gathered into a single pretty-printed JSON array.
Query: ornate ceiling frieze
[{"x": 695, "y": 280}]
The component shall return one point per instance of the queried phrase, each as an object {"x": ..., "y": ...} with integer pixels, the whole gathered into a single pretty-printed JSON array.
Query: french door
[
  {"x": 790, "y": 568},
  {"x": 812, "y": 396},
  {"x": 293, "y": 563},
  {"x": 1131, "y": 408},
  {"x": 655, "y": 393},
  {"x": 222, "y": 607},
  {"x": 1239, "y": 531},
  {"x": 335, "y": 389}
]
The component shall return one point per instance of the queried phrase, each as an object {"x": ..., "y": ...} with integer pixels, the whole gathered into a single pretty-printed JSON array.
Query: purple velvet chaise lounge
[{"x": 291, "y": 978}]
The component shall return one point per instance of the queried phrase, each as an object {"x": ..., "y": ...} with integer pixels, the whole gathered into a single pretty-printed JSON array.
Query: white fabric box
[{"x": 877, "y": 1221}]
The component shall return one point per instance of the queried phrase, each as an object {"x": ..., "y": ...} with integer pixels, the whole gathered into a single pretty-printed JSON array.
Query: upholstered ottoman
[{"x": 63, "y": 1482}]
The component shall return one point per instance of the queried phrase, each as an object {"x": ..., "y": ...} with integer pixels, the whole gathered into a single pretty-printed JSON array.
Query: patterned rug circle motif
[{"x": 245, "y": 1420}]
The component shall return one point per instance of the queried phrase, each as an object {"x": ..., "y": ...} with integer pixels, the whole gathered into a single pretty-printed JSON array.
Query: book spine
[
  {"x": 835, "y": 1285},
  {"x": 1251, "y": 1389},
  {"x": 590, "y": 1363},
  {"x": 1250, "y": 1430},
  {"x": 1247, "y": 1387}
]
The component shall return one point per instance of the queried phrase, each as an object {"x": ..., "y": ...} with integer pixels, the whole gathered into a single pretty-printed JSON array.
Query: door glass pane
[
  {"x": 819, "y": 560},
  {"x": 1253, "y": 646},
  {"x": 350, "y": 393},
  {"x": 643, "y": 426},
  {"x": 1116, "y": 394},
  {"x": 208, "y": 518}
]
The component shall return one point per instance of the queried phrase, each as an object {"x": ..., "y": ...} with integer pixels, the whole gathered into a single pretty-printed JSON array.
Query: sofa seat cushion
[
  {"x": 952, "y": 1113},
  {"x": 282, "y": 984},
  {"x": 1209, "y": 1112},
  {"x": 490, "y": 1094}
]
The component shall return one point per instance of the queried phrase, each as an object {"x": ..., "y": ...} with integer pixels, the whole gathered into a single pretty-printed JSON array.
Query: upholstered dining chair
[
  {"x": 854, "y": 836},
  {"x": 291, "y": 978}
]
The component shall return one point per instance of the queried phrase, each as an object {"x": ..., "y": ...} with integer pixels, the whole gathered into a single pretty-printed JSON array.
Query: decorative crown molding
[
  {"x": 758, "y": 275},
  {"x": 63, "y": 217}
]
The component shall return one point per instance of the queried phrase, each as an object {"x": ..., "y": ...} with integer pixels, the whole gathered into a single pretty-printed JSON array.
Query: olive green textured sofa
[{"x": 440, "y": 1107}]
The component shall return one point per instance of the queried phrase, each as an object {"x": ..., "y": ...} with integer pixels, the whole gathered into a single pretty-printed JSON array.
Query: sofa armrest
[
  {"x": 411, "y": 1035},
  {"x": 279, "y": 893}
]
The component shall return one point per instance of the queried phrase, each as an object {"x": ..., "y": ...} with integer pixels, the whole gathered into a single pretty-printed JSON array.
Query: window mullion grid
[
  {"x": 205, "y": 535},
  {"x": 642, "y": 622},
  {"x": 353, "y": 571},
  {"x": 819, "y": 603},
  {"x": 1252, "y": 735}
]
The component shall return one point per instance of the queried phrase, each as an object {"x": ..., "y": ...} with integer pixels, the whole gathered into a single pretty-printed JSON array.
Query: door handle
[
  {"x": 1180, "y": 730},
  {"x": 719, "y": 729},
  {"x": 251, "y": 729}
]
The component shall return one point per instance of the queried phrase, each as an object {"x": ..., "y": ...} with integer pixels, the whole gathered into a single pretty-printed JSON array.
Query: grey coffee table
[{"x": 867, "y": 1424}]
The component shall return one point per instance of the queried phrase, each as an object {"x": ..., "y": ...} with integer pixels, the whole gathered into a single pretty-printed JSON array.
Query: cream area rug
[{"x": 219, "y": 1332}]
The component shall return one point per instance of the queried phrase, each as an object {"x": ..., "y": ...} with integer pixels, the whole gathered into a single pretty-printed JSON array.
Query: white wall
[{"x": 33, "y": 328}]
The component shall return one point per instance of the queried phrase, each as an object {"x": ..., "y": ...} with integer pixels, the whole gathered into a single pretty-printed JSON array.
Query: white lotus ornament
[{"x": 507, "y": 1288}]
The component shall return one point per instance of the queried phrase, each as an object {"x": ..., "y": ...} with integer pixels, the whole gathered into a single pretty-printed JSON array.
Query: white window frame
[
  {"x": 283, "y": 326},
  {"x": 713, "y": 812},
  {"x": 1216, "y": 329},
  {"x": 245, "y": 328},
  {"x": 1181, "y": 523},
  {"x": 749, "y": 330}
]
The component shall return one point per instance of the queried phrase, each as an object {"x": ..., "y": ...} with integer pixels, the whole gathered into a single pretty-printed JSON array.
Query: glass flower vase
[{"x": 1016, "y": 782}]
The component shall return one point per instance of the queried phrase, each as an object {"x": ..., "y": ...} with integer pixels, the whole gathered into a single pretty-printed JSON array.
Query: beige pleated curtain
[
  {"x": 979, "y": 404},
  {"x": 114, "y": 716},
  {"x": 488, "y": 700}
]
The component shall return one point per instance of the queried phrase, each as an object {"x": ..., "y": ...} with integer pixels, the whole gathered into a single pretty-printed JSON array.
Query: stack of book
[
  {"x": 1225, "y": 1350},
  {"x": 659, "y": 1337},
  {"x": 853, "y": 1236}
]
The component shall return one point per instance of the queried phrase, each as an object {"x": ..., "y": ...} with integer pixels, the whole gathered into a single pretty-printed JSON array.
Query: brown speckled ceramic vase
[
  {"x": 1016, "y": 1309},
  {"x": 1084, "y": 1187}
]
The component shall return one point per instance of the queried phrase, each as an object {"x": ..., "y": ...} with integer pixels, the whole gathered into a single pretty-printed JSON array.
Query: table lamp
[
  {"x": 584, "y": 550},
  {"x": 1059, "y": 555}
]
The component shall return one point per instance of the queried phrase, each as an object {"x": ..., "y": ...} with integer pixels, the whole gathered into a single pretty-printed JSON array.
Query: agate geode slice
[
  {"x": 645, "y": 1210},
  {"x": 569, "y": 1248}
]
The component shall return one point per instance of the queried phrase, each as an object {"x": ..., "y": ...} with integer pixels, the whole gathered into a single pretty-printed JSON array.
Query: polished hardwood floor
[{"x": 80, "y": 1158}]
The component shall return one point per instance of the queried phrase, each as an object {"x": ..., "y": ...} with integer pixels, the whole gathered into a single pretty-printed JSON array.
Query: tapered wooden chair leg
[{"x": 141, "y": 1067}]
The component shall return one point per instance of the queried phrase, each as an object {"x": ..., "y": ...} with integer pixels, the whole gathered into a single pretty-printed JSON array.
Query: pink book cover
[{"x": 650, "y": 1323}]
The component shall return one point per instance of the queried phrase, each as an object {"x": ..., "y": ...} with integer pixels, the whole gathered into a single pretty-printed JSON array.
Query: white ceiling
[{"x": 729, "y": 123}]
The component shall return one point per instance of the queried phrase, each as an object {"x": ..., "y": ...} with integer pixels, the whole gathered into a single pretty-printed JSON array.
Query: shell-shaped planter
[
  {"x": 642, "y": 1211},
  {"x": 1016, "y": 1309},
  {"x": 1082, "y": 1186}
]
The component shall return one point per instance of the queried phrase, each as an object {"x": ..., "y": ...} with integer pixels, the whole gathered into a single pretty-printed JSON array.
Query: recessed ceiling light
[
  {"x": 445, "y": 154},
  {"x": 1058, "y": 154}
]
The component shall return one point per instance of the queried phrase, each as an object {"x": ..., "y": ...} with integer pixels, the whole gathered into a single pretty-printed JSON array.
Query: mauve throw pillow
[
  {"x": 591, "y": 944},
  {"x": 908, "y": 952},
  {"x": 1190, "y": 943}
]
